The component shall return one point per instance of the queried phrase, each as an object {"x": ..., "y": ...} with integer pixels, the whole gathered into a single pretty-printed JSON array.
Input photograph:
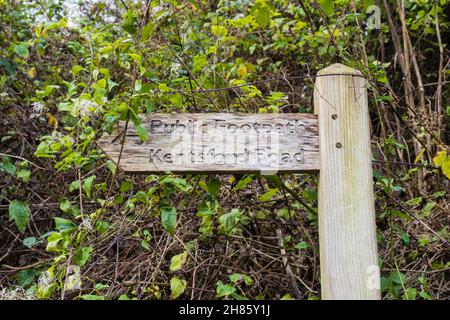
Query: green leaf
[
  {"x": 83, "y": 255},
  {"x": 302, "y": 245},
  {"x": 24, "y": 174},
  {"x": 219, "y": 31},
  {"x": 21, "y": 49},
  {"x": 7, "y": 166},
  {"x": 425, "y": 295},
  {"x": 75, "y": 185},
  {"x": 405, "y": 239},
  {"x": 169, "y": 219},
  {"x": 26, "y": 277},
  {"x": 177, "y": 262},
  {"x": 213, "y": 186},
  {"x": 397, "y": 277},
  {"x": 142, "y": 132},
  {"x": 287, "y": 296},
  {"x": 224, "y": 290},
  {"x": 177, "y": 287},
  {"x": 268, "y": 195},
  {"x": 243, "y": 182},
  {"x": 262, "y": 16},
  {"x": 91, "y": 297},
  {"x": 229, "y": 221},
  {"x": 410, "y": 294},
  {"x": 111, "y": 166},
  {"x": 29, "y": 242},
  {"x": 20, "y": 213},
  {"x": 65, "y": 205},
  {"x": 125, "y": 186},
  {"x": 53, "y": 242},
  {"x": 235, "y": 277},
  {"x": 327, "y": 6},
  {"x": 87, "y": 185},
  {"x": 138, "y": 85},
  {"x": 63, "y": 224}
]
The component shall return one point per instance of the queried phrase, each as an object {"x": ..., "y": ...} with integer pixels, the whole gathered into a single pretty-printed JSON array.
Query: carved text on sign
[{"x": 220, "y": 142}]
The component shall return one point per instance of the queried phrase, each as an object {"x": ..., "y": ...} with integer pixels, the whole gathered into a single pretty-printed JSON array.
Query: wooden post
[{"x": 347, "y": 236}]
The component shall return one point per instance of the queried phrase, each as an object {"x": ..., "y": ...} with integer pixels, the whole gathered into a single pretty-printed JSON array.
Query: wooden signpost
[{"x": 334, "y": 141}]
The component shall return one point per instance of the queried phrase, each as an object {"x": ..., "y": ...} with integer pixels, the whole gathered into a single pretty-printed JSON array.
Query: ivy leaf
[
  {"x": 177, "y": 262},
  {"x": 20, "y": 213},
  {"x": 169, "y": 219},
  {"x": 177, "y": 287},
  {"x": 327, "y": 6}
]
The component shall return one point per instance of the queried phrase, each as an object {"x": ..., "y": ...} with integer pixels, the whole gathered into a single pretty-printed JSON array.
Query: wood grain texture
[
  {"x": 348, "y": 249},
  {"x": 219, "y": 143}
]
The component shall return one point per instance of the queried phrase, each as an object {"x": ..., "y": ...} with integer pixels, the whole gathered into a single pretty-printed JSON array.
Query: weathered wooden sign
[
  {"x": 273, "y": 143},
  {"x": 220, "y": 142}
]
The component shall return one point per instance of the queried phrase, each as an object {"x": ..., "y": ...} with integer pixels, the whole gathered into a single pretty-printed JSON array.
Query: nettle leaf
[
  {"x": 177, "y": 287},
  {"x": 26, "y": 277},
  {"x": 327, "y": 6},
  {"x": 229, "y": 221},
  {"x": 169, "y": 219},
  {"x": 20, "y": 213},
  {"x": 177, "y": 262},
  {"x": 224, "y": 290}
]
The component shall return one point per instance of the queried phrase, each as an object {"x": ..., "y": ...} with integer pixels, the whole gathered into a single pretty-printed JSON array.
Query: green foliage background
[{"x": 74, "y": 227}]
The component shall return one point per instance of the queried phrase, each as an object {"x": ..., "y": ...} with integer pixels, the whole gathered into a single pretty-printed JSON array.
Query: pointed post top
[{"x": 338, "y": 68}]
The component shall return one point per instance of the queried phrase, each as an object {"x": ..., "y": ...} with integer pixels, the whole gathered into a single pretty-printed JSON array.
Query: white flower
[
  {"x": 86, "y": 224},
  {"x": 45, "y": 279},
  {"x": 18, "y": 293},
  {"x": 85, "y": 107},
  {"x": 38, "y": 107}
]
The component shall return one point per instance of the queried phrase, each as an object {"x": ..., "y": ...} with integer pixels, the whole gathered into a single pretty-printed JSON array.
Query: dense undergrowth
[{"x": 73, "y": 226}]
